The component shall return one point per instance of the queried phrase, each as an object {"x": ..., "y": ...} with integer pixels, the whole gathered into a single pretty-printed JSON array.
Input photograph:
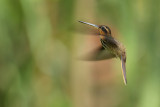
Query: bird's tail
[{"x": 123, "y": 65}]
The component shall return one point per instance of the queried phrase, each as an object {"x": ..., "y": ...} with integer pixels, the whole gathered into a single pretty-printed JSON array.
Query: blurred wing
[
  {"x": 98, "y": 54},
  {"x": 123, "y": 70}
]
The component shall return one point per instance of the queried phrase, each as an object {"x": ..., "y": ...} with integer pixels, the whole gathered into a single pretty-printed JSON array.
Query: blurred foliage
[{"x": 37, "y": 54}]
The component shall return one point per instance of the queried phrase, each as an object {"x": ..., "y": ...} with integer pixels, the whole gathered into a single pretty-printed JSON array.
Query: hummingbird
[{"x": 111, "y": 48}]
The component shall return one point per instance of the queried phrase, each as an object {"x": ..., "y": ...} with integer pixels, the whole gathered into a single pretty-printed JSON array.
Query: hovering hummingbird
[{"x": 111, "y": 48}]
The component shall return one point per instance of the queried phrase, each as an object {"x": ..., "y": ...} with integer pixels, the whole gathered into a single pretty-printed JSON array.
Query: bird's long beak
[{"x": 96, "y": 26}]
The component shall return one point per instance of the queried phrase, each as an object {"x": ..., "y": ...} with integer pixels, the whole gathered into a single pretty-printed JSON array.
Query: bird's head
[{"x": 103, "y": 30}]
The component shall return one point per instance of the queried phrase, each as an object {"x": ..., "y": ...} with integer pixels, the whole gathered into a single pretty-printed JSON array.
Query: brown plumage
[{"x": 111, "y": 48}]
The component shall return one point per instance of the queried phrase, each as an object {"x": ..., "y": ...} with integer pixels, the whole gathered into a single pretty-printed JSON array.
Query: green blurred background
[{"x": 38, "y": 51}]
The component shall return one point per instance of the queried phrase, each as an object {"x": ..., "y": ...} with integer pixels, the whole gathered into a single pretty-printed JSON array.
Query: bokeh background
[{"x": 40, "y": 41}]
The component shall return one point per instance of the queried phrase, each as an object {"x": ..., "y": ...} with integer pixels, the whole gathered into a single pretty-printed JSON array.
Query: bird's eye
[{"x": 104, "y": 29}]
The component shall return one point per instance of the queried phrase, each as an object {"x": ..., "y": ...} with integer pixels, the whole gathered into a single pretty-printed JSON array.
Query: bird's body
[
  {"x": 110, "y": 48},
  {"x": 112, "y": 45}
]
